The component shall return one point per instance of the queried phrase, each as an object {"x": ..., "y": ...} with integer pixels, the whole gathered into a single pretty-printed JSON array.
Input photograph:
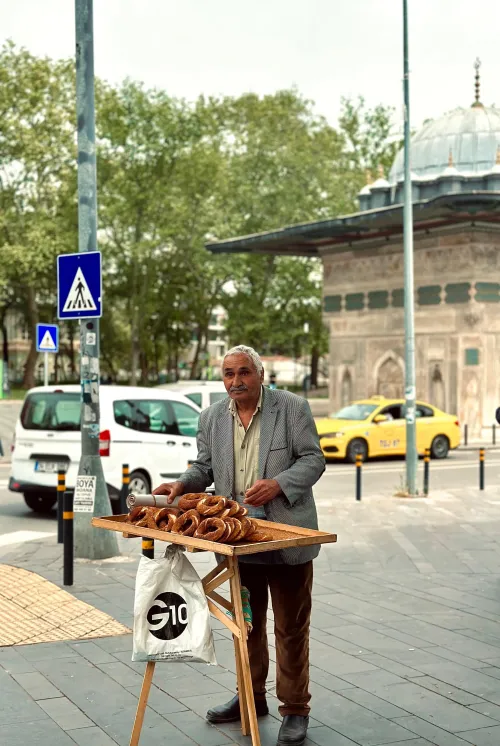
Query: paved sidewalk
[{"x": 405, "y": 642}]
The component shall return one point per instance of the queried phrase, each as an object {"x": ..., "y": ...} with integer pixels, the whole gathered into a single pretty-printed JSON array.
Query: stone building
[{"x": 456, "y": 211}]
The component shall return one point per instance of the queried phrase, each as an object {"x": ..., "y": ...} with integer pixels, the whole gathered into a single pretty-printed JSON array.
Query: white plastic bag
[{"x": 171, "y": 616}]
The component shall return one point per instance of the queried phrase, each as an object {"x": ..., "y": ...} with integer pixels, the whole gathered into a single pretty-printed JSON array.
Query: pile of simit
[{"x": 209, "y": 517}]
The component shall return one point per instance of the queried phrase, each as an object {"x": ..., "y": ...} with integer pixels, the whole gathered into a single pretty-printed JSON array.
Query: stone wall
[{"x": 457, "y": 322}]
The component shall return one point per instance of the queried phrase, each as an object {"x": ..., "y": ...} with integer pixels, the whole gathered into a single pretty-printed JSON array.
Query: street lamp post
[{"x": 410, "y": 389}]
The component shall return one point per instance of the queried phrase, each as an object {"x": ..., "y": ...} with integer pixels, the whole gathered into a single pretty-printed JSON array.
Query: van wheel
[
  {"x": 440, "y": 446},
  {"x": 139, "y": 483},
  {"x": 39, "y": 503}
]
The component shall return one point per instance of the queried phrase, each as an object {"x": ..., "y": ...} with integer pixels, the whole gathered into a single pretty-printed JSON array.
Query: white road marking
[
  {"x": 20, "y": 537},
  {"x": 372, "y": 469}
]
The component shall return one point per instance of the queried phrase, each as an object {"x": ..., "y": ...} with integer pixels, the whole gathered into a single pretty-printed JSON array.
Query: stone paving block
[
  {"x": 487, "y": 708},
  {"x": 387, "y": 664},
  {"x": 193, "y": 685},
  {"x": 92, "y": 652},
  {"x": 37, "y": 686},
  {"x": 159, "y": 701},
  {"x": 328, "y": 680},
  {"x": 434, "y": 734},
  {"x": 326, "y": 736},
  {"x": 354, "y": 721},
  {"x": 121, "y": 673},
  {"x": 197, "y": 728},
  {"x": 116, "y": 644},
  {"x": 13, "y": 662},
  {"x": 483, "y": 737},
  {"x": 16, "y": 706},
  {"x": 92, "y": 736},
  {"x": 46, "y": 651},
  {"x": 447, "y": 690},
  {"x": 455, "y": 657},
  {"x": 372, "y": 681},
  {"x": 329, "y": 659},
  {"x": 366, "y": 639},
  {"x": 65, "y": 713},
  {"x": 373, "y": 703},
  {"x": 433, "y": 707},
  {"x": 36, "y": 733},
  {"x": 475, "y": 682}
]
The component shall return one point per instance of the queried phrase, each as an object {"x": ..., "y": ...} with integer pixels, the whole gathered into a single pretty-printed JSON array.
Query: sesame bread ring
[
  {"x": 246, "y": 526},
  {"x": 231, "y": 509},
  {"x": 187, "y": 523},
  {"x": 236, "y": 524},
  {"x": 242, "y": 512},
  {"x": 163, "y": 513},
  {"x": 136, "y": 514},
  {"x": 211, "y": 529},
  {"x": 190, "y": 500},
  {"x": 168, "y": 524},
  {"x": 211, "y": 505},
  {"x": 227, "y": 533}
]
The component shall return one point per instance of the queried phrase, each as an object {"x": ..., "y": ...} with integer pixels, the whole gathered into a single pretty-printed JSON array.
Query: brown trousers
[{"x": 291, "y": 591}]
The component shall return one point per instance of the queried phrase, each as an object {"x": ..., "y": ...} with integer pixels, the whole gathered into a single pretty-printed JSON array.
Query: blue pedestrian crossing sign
[
  {"x": 79, "y": 285},
  {"x": 47, "y": 338}
]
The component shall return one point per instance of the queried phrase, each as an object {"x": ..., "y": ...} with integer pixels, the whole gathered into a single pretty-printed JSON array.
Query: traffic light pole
[
  {"x": 90, "y": 543},
  {"x": 410, "y": 388}
]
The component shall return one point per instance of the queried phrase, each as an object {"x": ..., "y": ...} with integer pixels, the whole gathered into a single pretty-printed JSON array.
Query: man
[{"x": 261, "y": 448}]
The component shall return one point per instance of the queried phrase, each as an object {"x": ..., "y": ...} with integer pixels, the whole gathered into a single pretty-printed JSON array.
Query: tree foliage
[{"x": 173, "y": 175}]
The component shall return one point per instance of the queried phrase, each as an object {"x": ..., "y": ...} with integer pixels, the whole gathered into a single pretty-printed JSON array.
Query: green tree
[{"x": 37, "y": 161}]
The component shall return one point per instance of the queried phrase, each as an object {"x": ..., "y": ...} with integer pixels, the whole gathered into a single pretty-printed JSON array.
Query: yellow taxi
[{"x": 377, "y": 427}]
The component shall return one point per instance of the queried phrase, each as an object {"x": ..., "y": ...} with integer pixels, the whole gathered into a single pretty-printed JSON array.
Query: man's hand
[
  {"x": 262, "y": 492},
  {"x": 171, "y": 489}
]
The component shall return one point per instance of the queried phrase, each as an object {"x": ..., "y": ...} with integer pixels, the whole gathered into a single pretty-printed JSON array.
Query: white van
[
  {"x": 152, "y": 431},
  {"x": 202, "y": 393}
]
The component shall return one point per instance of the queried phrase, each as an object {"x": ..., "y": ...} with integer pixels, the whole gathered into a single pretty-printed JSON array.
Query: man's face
[{"x": 241, "y": 380}]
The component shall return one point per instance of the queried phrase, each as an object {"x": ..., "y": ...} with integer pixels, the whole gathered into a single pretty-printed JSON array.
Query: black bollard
[
  {"x": 148, "y": 548},
  {"x": 427, "y": 459},
  {"x": 466, "y": 434},
  {"x": 125, "y": 488},
  {"x": 359, "y": 467},
  {"x": 61, "y": 487},
  {"x": 481, "y": 468},
  {"x": 68, "y": 516}
]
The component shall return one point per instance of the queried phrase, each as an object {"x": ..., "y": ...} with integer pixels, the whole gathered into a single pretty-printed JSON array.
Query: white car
[
  {"x": 152, "y": 431},
  {"x": 202, "y": 393}
]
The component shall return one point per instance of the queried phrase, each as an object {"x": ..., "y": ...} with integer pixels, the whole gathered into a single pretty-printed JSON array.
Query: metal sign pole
[
  {"x": 45, "y": 368},
  {"x": 410, "y": 389},
  {"x": 89, "y": 542}
]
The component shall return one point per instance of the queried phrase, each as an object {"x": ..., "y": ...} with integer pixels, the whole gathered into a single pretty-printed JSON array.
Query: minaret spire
[{"x": 477, "y": 83}]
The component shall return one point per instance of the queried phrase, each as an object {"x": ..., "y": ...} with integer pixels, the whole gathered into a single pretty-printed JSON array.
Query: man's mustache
[{"x": 238, "y": 388}]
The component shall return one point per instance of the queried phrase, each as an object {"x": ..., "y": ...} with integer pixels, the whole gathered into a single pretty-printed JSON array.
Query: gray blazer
[{"x": 289, "y": 452}]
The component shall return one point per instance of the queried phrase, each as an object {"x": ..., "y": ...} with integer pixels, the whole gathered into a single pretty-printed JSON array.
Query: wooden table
[{"x": 284, "y": 537}]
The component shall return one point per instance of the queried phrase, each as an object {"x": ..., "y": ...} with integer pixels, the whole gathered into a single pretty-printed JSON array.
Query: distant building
[{"x": 456, "y": 210}]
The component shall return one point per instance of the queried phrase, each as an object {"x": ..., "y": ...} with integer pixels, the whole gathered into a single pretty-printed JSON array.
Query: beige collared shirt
[{"x": 246, "y": 453}]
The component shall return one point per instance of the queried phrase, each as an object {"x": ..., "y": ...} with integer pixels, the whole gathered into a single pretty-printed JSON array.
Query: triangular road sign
[
  {"x": 79, "y": 297},
  {"x": 47, "y": 342}
]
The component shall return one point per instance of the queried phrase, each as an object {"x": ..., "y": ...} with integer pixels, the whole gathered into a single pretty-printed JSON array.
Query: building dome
[{"x": 471, "y": 136}]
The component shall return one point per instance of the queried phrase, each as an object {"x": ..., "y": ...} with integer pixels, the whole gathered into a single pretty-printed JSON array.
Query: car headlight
[{"x": 332, "y": 435}]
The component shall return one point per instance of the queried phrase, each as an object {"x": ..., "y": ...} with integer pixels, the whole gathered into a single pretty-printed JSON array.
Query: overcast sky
[{"x": 327, "y": 48}]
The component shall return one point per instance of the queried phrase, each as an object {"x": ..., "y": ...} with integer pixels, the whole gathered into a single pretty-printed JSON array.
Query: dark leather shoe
[
  {"x": 293, "y": 730},
  {"x": 230, "y": 712}
]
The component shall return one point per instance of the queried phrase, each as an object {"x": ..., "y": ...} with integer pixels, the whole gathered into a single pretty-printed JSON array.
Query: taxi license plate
[{"x": 49, "y": 467}]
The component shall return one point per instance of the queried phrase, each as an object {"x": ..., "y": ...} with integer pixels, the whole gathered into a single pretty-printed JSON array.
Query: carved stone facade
[{"x": 457, "y": 321}]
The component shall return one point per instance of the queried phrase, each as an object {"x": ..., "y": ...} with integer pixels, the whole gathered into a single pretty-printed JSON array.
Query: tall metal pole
[
  {"x": 90, "y": 543},
  {"x": 410, "y": 390},
  {"x": 45, "y": 368}
]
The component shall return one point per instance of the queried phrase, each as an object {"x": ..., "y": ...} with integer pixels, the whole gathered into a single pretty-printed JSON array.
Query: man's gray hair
[{"x": 249, "y": 352}]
